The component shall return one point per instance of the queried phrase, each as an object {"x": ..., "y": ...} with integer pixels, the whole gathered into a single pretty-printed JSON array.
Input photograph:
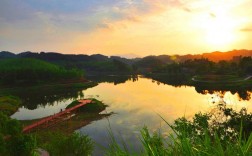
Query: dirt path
[{"x": 245, "y": 79}]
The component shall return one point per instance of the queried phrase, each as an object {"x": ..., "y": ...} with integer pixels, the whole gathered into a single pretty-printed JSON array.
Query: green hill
[{"x": 26, "y": 70}]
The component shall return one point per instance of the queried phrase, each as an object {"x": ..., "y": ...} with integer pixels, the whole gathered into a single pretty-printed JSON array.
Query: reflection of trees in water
[
  {"x": 174, "y": 80},
  {"x": 31, "y": 99},
  {"x": 244, "y": 93},
  {"x": 116, "y": 79}
]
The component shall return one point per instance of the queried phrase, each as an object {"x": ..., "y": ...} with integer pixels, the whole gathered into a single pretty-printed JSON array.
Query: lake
[{"x": 135, "y": 102}]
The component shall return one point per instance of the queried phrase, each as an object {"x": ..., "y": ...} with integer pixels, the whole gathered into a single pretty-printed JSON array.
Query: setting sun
[
  {"x": 148, "y": 27},
  {"x": 219, "y": 27},
  {"x": 220, "y": 32}
]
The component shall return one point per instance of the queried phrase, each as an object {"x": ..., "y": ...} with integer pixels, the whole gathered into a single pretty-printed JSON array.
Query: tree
[
  {"x": 12, "y": 140},
  {"x": 72, "y": 145}
]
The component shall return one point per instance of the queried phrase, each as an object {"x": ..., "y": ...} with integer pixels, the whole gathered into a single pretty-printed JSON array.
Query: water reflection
[
  {"x": 115, "y": 79},
  {"x": 138, "y": 103},
  {"x": 173, "y": 80},
  {"x": 33, "y": 98},
  {"x": 243, "y": 92}
]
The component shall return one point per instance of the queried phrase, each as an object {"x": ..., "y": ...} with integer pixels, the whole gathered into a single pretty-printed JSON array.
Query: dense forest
[
  {"x": 97, "y": 63},
  {"x": 31, "y": 71},
  {"x": 240, "y": 67},
  {"x": 91, "y": 64}
]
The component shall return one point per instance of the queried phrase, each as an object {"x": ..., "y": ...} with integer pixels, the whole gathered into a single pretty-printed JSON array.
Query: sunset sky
[{"x": 116, "y": 27}]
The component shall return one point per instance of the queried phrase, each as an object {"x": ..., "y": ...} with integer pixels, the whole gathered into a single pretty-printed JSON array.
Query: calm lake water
[{"x": 136, "y": 103}]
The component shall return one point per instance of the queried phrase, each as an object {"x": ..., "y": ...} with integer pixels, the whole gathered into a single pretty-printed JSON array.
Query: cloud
[
  {"x": 81, "y": 15},
  {"x": 212, "y": 15},
  {"x": 12, "y": 11},
  {"x": 246, "y": 29},
  {"x": 187, "y": 9}
]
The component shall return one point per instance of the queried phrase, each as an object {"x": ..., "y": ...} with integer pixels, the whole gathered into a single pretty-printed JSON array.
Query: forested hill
[
  {"x": 53, "y": 56},
  {"x": 93, "y": 63},
  {"x": 218, "y": 56},
  {"x": 115, "y": 64},
  {"x": 33, "y": 71}
]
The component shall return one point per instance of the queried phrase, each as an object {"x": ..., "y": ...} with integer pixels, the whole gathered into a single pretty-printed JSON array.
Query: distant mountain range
[
  {"x": 99, "y": 62},
  {"x": 54, "y": 56},
  {"x": 218, "y": 56}
]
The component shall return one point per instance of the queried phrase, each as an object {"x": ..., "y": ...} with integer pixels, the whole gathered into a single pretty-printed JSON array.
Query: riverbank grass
[
  {"x": 218, "y": 78},
  {"x": 204, "y": 135}
]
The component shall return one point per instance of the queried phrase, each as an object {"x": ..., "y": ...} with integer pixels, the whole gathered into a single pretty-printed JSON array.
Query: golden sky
[{"x": 117, "y": 27}]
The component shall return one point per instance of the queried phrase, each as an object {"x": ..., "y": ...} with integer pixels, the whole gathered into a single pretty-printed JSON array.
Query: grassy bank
[
  {"x": 222, "y": 82},
  {"x": 81, "y": 83},
  {"x": 220, "y": 79},
  {"x": 179, "y": 79},
  {"x": 94, "y": 107}
]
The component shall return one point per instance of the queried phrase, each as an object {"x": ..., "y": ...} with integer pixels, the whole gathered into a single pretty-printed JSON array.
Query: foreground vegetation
[
  {"x": 57, "y": 140},
  {"x": 14, "y": 143},
  {"x": 224, "y": 132},
  {"x": 9, "y": 104}
]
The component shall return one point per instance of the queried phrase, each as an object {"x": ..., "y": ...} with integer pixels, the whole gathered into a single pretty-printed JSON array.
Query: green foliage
[
  {"x": 72, "y": 145},
  {"x": 218, "y": 78},
  {"x": 149, "y": 62},
  {"x": 245, "y": 66},
  {"x": 114, "y": 148},
  {"x": 95, "y": 106},
  {"x": 204, "y": 66},
  {"x": 222, "y": 132},
  {"x": 104, "y": 66},
  {"x": 121, "y": 66},
  {"x": 72, "y": 104},
  {"x": 153, "y": 145},
  {"x": 12, "y": 141},
  {"x": 18, "y": 71},
  {"x": 22, "y": 145},
  {"x": 225, "y": 122},
  {"x": 9, "y": 104},
  {"x": 9, "y": 126}
]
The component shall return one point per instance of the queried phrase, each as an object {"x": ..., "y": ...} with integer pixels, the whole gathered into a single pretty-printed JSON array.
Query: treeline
[
  {"x": 102, "y": 64},
  {"x": 240, "y": 67},
  {"x": 96, "y": 63},
  {"x": 26, "y": 70}
]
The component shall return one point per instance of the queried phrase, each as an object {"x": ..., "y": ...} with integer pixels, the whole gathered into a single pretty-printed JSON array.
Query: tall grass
[{"x": 193, "y": 138}]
